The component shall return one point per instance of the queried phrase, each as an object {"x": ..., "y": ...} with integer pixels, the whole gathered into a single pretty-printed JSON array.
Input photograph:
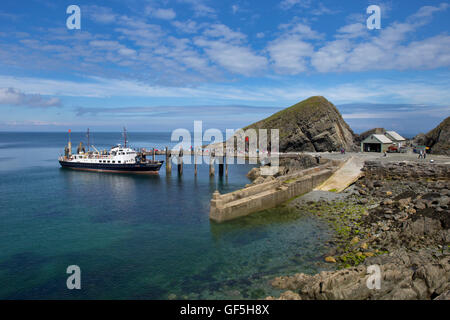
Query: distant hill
[
  {"x": 437, "y": 139},
  {"x": 314, "y": 124},
  {"x": 359, "y": 138}
]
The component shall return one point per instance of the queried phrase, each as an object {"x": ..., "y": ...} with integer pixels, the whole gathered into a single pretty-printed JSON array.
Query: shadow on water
[{"x": 259, "y": 220}]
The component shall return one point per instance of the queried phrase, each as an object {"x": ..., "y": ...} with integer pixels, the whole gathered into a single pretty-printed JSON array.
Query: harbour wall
[{"x": 269, "y": 194}]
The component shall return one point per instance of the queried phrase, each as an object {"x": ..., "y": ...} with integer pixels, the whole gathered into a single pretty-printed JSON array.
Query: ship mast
[
  {"x": 125, "y": 136},
  {"x": 88, "y": 144}
]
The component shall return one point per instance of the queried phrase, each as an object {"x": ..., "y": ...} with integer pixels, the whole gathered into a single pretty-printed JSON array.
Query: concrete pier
[{"x": 268, "y": 194}]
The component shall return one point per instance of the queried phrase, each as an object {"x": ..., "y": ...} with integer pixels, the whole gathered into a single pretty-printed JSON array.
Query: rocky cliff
[
  {"x": 313, "y": 124},
  {"x": 437, "y": 139},
  {"x": 359, "y": 138}
]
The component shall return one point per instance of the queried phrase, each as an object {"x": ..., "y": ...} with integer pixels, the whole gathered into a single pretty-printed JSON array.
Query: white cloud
[
  {"x": 225, "y": 47},
  {"x": 14, "y": 97},
  {"x": 200, "y": 8},
  {"x": 99, "y": 14},
  {"x": 426, "y": 12},
  {"x": 301, "y": 30},
  {"x": 353, "y": 30},
  {"x": 415, "y": 91},
  {"x": 113, "y": 46},
  {"x": 188, "y": 26},
  {"x": 34, "y": 123},
  {"x": 165, "y": 14},
  {"x": 289, "y": 54},
  {"x": 260, "y": 35},
  {"x": 386, "y": 51},
  {"x": 151, "y": 53},
  {"x": 234, "y": 58},
  {"x": 288, "y": 4},
  {"x": 224, "y": 32},
  {"x": 322, "y": 9}
]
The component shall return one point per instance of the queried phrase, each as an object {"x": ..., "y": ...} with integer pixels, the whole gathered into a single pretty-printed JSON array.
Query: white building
[
  {"x": 396, "y": 138},
  {"x": 376, "y": 143}
]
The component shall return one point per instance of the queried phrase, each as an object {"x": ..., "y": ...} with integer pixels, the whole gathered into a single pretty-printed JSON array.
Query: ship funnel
[{"x": 81, "y": 148}]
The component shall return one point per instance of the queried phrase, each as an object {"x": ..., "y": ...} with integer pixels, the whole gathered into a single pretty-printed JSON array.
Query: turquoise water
[{"x": 134, "y": 236}]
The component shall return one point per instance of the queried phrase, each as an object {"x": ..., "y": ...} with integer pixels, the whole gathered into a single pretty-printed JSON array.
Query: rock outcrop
[
  {"x": 360, "y": 137},
  {"x": 437, "y": 139},
  {"x": 405, "y": 276},
  {"x": 397, "y": 218},
  {"x": 313, "y": 124}
]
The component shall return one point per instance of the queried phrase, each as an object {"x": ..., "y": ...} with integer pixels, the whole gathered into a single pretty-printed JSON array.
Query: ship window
[
  {"x": 108, "y": 161},
  {"x": 119, "y": 161},
  {"x": 113, "y": 161}
]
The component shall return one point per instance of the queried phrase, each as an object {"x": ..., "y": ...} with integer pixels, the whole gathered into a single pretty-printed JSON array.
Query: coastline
[{"x": 397, "y": 217}]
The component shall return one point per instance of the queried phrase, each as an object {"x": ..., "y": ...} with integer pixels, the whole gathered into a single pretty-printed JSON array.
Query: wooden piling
[
  {"x": 168, "y": 161},
  {"x": 221, "y": 164},
  {"x": 180, "y": 162},
  {"x": 226, "y": 163},
  {"x": 195, "y": 162},
  {"x": 211, "y": 163}
]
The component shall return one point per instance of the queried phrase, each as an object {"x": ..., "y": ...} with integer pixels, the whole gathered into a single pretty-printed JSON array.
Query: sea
[{"x": 137, "y": 236}]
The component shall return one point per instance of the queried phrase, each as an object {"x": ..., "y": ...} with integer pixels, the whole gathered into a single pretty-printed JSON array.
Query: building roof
[
  {"x": 382, "y": 138},
  {"x": 395, "y": 136}
]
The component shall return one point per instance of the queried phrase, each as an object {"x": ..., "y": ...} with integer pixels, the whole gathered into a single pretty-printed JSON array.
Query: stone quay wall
[{"x": 269, "y": 194}]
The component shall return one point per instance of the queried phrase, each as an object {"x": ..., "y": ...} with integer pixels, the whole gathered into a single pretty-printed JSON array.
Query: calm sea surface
[{"x": 135, "y": 236}]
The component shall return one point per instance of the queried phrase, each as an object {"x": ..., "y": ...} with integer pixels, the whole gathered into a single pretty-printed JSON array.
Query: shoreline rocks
[{"x": 397, "y": 217}]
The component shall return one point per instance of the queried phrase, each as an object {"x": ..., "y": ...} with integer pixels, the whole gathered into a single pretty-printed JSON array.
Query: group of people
[{"x": 422, "y": 154}]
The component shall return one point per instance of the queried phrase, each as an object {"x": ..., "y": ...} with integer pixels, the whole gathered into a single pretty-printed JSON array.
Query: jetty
[
  {"x": 266, "y": 195},
  {"x": 349, "y": 172}
]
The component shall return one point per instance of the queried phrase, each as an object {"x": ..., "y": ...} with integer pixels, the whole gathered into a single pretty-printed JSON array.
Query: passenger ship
[{"x": 118, "y": 159}]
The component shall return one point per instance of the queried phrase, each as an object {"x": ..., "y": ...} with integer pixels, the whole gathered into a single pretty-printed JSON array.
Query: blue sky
[{"x": 160, "y": 65}]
